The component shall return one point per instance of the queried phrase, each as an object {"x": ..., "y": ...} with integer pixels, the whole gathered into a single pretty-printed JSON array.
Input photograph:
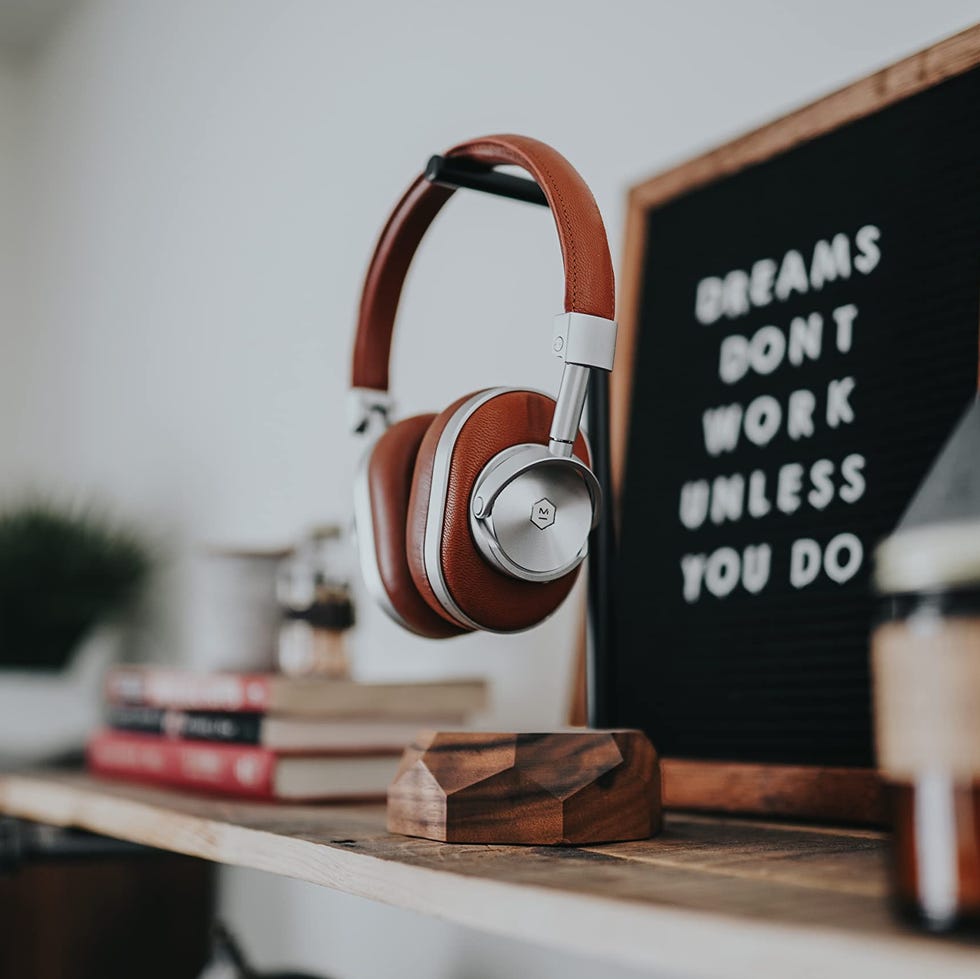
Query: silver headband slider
[{"x": 589, "y": 341}]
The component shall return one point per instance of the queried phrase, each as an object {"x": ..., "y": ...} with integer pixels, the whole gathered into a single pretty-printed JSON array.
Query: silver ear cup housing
[{"x": 531, "y": 512}]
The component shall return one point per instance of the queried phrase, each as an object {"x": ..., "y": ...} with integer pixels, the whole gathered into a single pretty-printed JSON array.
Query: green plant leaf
[{"x": 63, "y": 571}]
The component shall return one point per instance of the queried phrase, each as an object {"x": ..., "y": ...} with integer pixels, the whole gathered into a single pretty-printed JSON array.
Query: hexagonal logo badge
[{"x": 543, "y": 513}]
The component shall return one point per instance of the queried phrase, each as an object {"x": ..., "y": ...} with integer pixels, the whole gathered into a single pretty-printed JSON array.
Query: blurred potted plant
[{"x": 68, "y": 577}]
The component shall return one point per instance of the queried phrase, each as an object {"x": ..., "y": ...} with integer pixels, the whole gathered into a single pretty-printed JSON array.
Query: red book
[{"x": 242, "y": 770}]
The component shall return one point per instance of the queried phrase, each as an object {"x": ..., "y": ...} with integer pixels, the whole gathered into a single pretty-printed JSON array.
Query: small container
[
  {"x": 317, "y": 611},
  {"x": 232, "y": 615},
  {"x": 926, "y": 667},
  {"x": 313, "y": 641}
]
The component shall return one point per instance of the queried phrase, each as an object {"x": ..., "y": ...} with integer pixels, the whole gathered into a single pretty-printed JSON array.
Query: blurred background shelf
[{"x": 711, "y": 897}]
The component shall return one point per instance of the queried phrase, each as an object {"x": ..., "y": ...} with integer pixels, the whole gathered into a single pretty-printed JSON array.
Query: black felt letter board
[{"x": 734, "y": 640}]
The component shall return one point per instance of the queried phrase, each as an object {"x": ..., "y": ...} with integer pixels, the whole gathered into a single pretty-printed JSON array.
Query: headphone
[{"x": 478, "y": 517}]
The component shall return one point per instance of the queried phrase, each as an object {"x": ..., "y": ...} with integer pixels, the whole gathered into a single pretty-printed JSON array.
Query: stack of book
[{"x": 266, "y": 735}]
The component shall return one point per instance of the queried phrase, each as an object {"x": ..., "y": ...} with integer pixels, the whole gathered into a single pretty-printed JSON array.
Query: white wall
[
  {"x": 202, "y": 183},
  {"x": 13, "y": 111}
]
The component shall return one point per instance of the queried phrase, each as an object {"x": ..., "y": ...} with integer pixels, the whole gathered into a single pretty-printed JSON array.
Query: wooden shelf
[{"x": 711, "y": 897}]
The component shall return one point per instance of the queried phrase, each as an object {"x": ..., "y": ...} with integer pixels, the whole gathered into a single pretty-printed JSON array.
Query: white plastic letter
[
  {"x": 721, "y": 427},
  {"x": 735, "y": 294},
  {"x": 805, "y": 338},
  {"x": 756, "y": 561},
  {"x": 692, "y": 567},
  {"x": 869, "y": 254},
  {"x": 788, "y": 487},
  {"x": 839, "y": 410},
  {"x": 844, "y": 317},
  {"x": 707, "y": 302},
  {"x": 767, "y": 349},
  {"x": 762, "y": 419},
  {"x": 852, "y": 469},
  {"x": 799, "y": 420},
  {"x": 823, "y": 488},
  {"x": 760, "y": 282},
  {"x": 831, "y": 260},
  {"x": 758, "y": 505},
  {"x": 722, "y": 572},
  {"x": 727, "y": 498},
  {"x": 733, "y": 360},
  {"x": 804, "y": 562},
  {"x": 842, "y": 572},
  {"x": 694, "y": 503},
  {"x": 792, "y": 276}
]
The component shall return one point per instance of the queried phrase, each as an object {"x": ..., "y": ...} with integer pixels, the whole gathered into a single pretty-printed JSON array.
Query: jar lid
[
  {"x": 336, "y": 614},
  {"x": 929, "y": 557}
]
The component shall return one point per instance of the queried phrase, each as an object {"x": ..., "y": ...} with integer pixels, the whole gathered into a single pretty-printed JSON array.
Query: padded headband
[{"x": 589, "y": 283}]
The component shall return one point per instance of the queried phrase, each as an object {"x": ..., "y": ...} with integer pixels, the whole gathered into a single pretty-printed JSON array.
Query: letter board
[{"x": 800, "y": 334}]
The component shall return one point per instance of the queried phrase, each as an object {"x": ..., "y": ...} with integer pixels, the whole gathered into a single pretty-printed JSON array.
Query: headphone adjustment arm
[{"x": 584, "y": 343}]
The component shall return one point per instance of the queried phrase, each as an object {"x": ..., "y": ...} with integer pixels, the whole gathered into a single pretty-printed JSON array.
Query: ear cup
[
  {"x": 389, "y": 480},
  {"x": 445, "y": 564}
]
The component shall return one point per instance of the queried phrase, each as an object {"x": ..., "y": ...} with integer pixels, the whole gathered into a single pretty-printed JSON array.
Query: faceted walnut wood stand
[{"x": 563, "y": 787}]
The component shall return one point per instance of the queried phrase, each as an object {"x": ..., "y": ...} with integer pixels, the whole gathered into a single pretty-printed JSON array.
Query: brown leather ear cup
[
  {"x": 389, "y": 479},
  {"x": 490, "y": 598}
]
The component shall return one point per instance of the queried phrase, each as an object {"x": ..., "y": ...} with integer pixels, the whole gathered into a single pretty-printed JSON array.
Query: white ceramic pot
[
  {"x": 46, "y": 714},
  {"x": 232, "y": 613}
]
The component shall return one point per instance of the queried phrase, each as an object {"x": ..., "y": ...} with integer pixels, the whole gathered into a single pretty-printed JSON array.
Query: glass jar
[
  {"x": 926, "y": 668},
  {"x": 317, "y": 611},
  {"x": 313, "y": 640}
]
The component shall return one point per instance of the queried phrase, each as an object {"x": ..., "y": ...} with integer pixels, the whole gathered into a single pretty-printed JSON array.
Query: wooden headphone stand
[{"x": 573, "y": 786}]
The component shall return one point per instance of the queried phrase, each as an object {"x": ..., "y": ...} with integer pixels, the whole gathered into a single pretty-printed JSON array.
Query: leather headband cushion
[
  {"x": 389, "y": 478},
  {"x": 589, "y": 280},
  {"x": 489, "y": 597}
]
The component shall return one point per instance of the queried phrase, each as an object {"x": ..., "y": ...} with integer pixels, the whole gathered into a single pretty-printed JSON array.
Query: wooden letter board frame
[{"x": 824, "y": 793}]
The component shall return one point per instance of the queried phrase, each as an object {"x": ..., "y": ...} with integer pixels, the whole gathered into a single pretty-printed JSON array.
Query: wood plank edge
[
  {"x": 631, "y": 933},
  {"x": 825, "y": 793}
]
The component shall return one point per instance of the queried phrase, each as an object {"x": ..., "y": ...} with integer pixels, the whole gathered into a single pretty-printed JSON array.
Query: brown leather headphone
[{"x": 478, "y": 517}]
